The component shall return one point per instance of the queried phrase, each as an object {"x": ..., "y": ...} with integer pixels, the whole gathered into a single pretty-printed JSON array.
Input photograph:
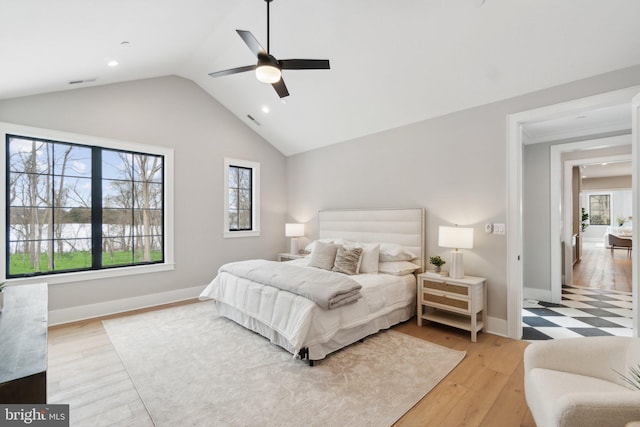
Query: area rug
[{"x": 192, "y": 367}]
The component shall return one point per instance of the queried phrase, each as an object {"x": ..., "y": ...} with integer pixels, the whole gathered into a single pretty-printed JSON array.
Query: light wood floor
[
  {"x": 486, "y": 389},
  {"x": 601, "y": 269}
]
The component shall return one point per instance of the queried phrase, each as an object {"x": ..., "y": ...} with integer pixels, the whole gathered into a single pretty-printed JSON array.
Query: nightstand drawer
[
  {"x": 460, "y": 304},
  {"x": 446, "y": 287}
]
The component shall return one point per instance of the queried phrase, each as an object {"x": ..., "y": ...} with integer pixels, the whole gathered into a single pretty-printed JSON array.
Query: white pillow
[
  {"x": 390, "y": 248},
  {"x": 403, "y": 256},
  {"x": 323, "y": 255},
  {"x": 370, "y": 255},
  {"x": 394, "y": 252},
  {"x": 343, "y": 242},
  {"x": 397, "y": 268},
  {"x": 310, "y": 246}
]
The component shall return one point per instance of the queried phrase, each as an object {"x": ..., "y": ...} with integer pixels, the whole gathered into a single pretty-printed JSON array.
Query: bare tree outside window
[
  {"x": 52, "y": 190},
  {"x": 599, "y": 209},
  {"x": 132, "y": 208}
]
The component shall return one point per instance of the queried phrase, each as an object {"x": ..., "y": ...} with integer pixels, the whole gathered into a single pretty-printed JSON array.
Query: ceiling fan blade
[
  {"x": 281, "y": 88},
  {"x": 233, "y": 71},
  {"x": 304, "y": 64},
  {"x": 251, "y": 41}
]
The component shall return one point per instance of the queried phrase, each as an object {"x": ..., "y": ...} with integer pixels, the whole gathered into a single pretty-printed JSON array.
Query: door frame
[{"x": 514, "y": 135}]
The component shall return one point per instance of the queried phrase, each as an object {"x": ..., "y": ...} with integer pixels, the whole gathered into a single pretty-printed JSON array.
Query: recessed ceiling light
[
  {"x": 581, "y": 117},
  {"x": 112, "y": 63},
  {"x": 604, "y": 164},
  {"x": 265, "y": 109},
  {"x": 124, "y": 43},
  {"x": 584, "y": 176}
]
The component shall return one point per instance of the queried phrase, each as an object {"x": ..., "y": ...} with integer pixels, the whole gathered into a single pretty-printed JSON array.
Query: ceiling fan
[{"x": 268, "y": 68}]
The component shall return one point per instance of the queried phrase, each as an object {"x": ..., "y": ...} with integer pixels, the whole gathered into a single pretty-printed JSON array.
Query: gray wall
[
  {"x": 454, "y": 166},
  {"x": 176, "y": 113}
]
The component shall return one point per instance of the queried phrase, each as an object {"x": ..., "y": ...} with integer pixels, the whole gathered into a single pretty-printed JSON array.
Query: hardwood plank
[
  {"x": 490, "y": 375},
  {"x": 603, "y": 269},
  {"x": 510, "y": 408}
]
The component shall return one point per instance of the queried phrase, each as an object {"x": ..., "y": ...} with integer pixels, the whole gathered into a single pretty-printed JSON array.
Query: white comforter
[{"x": 300, "y": 321}]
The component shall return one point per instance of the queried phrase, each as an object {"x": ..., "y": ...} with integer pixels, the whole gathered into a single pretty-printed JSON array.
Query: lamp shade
[
  {"x": 294, "y": 230},
  {"x": 455, "y": 237}
]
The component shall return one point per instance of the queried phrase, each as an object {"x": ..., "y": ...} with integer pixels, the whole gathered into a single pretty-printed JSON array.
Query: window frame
[
  {"x": 86, "y": 140},
  {"x": 609, "y": 195},
  {"x": 255, "y": 198}
]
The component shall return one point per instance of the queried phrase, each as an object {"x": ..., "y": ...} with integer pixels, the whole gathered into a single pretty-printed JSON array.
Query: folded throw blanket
[{"x": 327, "y": 289}]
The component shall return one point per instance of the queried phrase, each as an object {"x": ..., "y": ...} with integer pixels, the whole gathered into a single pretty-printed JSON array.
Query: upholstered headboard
[{"x": 404, "y": 227}]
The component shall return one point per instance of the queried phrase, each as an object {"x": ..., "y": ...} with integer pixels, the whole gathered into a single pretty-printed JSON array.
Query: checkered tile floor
[{"x": 583, "y": 313}]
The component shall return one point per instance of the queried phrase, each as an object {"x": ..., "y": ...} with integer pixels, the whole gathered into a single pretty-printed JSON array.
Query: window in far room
[
  {"x": 600, "y": 209},
  {"x": 242, "y": 198}
]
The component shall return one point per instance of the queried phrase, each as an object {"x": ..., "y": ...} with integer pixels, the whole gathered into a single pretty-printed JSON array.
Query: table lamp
[
  {"x": 294, "y": 231},
  {"x": 456, "y": 238}
]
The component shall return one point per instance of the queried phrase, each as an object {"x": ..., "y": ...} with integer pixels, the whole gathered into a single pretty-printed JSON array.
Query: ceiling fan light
[{"x": 268, "y": 73}]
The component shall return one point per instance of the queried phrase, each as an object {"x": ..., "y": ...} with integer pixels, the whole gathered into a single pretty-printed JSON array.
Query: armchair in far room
[{"x": 619, "y": 242}]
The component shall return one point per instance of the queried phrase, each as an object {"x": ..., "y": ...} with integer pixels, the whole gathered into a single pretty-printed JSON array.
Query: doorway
[
  {"x": 515, "y": 124},
  {"x": 597, "y": 169}
]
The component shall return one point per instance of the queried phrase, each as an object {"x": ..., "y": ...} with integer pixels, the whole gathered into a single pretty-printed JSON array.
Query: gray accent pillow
[
  {"x": 347, "y": 260},
  {"x": 323, "y": 255}
]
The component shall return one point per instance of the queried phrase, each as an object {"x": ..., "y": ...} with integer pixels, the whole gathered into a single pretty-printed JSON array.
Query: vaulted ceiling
[{"x": 392, "y": 62}]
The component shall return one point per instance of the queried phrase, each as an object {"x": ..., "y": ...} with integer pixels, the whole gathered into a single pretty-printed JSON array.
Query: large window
[
  {"x": 242, "y": 198},
  {"x": 600, "y": 209},
  {"x": 73, "y": 207}
]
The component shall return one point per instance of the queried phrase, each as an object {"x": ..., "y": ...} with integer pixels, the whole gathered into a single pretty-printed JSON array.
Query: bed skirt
[{"x": 319, "y": 351}]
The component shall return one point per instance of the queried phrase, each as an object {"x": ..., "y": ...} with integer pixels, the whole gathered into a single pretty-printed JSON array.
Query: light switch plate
[{"x": 498, "y": 228}]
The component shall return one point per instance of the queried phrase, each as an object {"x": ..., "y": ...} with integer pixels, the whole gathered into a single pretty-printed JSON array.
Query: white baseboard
[
  {"x": 537, "y": 294},
  {"x": 89, "y": 311},
  {"x": 497, "y": 326}
]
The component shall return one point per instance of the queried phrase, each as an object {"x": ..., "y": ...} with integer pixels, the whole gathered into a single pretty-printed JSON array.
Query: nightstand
[
  {"x": 289, "y": 256},
  {"x": 461, "y": 303}
]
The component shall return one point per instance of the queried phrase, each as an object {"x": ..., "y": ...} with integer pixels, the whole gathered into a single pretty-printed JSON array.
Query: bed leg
[{"x": 303, "y": 353}]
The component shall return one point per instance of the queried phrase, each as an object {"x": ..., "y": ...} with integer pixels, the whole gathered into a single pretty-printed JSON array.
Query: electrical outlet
[{"x": 498, "y": 229}]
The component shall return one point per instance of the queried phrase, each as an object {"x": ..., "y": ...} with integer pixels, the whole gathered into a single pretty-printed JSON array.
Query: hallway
[{"x": 599, "y": 303}]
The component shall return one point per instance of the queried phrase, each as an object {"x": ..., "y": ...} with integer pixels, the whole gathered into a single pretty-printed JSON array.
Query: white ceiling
[
  {"x": 392, "y": 62},
  {"x": 602, "y": 170},
  {"x": 616, "y": 118}
]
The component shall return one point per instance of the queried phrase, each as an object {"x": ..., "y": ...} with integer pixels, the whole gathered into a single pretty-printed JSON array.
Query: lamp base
[
  {"x": 294, "y": 245},
  {"x": 457, "y": 267}
]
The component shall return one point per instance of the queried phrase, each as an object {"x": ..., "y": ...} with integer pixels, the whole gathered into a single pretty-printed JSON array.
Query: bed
[{"x": 299, "y": 324}]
